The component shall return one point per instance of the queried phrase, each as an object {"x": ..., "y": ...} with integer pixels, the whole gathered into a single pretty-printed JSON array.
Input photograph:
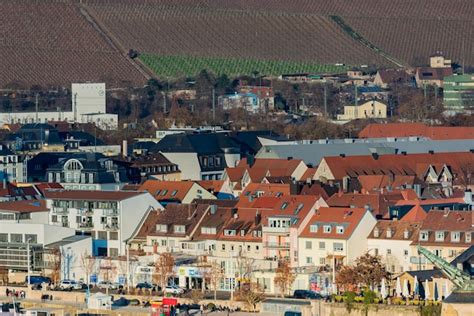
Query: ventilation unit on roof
[
  {"x": 431, "y": 152},
  {"x": 342, "y": 155}
]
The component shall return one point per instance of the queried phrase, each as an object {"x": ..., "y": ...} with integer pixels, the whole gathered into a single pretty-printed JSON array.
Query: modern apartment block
[{"x": 110, "y": 217}]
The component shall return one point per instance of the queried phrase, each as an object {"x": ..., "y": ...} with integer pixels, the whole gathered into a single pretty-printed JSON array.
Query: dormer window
[
  {"x": 313, "y": 228},
  {"x": 229, "y": 232},
  {"x": 340, "y": 229},
  {"x": 208, "y": 230},
  {"x": 242, "y": 232},
  {"x": 424, "y": 235},
  {"x": 468, "y": 237},
  {"x": 179, "y": 229},
  {"x": 376, "y": 232},
  {"x": 327, "y": 229},
  {"x": 439, "y": 236},
  {"x": 160, "y": 228},
  {"x": 389, "y": 233},
  {"x": 456, "y": 236},
  {"x": 406, "y": 234}
]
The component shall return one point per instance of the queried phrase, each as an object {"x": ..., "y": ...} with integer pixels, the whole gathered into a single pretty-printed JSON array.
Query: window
[
  {"x": 248, "y": 248},
  {"x": 164, "y": 192},
  {"x": 163, "y": 242},
  {"x": 322, "y": 261},
  {"x": 389, "y": 251},
  {"x": 309, "y": 260},
  {"x": 208, "y": 230},
  {"x": 455, "y": 236},
  {"x": 424, "y": 235},
  {"x": 218, "y": 161},
  {"x": 204, "y": 161},
  {"x": 211, "y": 161},
  {"x": 376, "y": 251},
  {"x": 299, "y": 208},
  {"x": 54, "y": 218},
  {"x": 438, "y": 252},
  {"x": 113, "y": 236},
  {"x": 340, "y": 229},
  {"x": 313, "y": 228},
  {"x": 174, "y": 192},
  {"x": 103, "y": 220},
  {"x": 452, "y": 253},
  {"x": 284, "y": 206},
  {"x": 405, "y": 252},
  {"x": 157, "y": 192},
  {"x": 439, "y": 236},
  {"x": 257, "y": 248},
  {"x": 16, "y": 238},
  {"x": 102, "y": 235},
  {"x": 179, "y": 229},
  {"x": 468, "y": 237},
  {"x": 229, "y": 232},
  {"x": 160, "y": 228},
  {"x": 3, "y": 237},
  {"x": 338, "y": 246},
  {"x": 406, "y": 234},
  {"x": 327, "y": 229},
  {"x": 32, "y": 237},
  {"x": 309, "y": 244},
  {"x": 113, "y": 252},
  {"x": 223, "y": 247},
  {"x": 322, "y": 245},
  {"x": 232, "y": 247}
]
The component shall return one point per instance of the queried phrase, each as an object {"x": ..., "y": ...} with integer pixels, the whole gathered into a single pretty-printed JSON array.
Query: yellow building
[{"x": 370, "y": 109}]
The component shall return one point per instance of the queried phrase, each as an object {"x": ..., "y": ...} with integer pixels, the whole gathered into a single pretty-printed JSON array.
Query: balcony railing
[
  {"x": 60, "y": 210},
  {"x": 65, "y": 224},
  {"x": 112, "y": 227},
  {"x": 85, "y": 226},
  {"x": 277, "y": 245},
  {"x": 110, "y": 212},
  {"x": 276, "y": 230},
  {"x": 85, "y": 211}
]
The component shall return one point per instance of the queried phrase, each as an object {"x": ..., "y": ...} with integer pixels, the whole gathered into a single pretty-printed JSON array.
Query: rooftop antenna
[
  {"x": 75, "y": 107},
  {"x": 36, "y": 107}
]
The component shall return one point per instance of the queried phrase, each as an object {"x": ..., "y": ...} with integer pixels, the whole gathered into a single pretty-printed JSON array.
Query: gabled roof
[
  {"x": 24, "y": 206},
  {"x": 167, "y": 190},
  {"x": 397, "y": 230},
  {"x": 417, "y": 129},
  {"x": 55, "y": 194},
  {"x": 296, "y": 207},
  {"x": 42, "y": 187},
  {"x": 381, "y": 181},
  {"x": 211, "y": 185},
  {"x": 393, "y": 75},
  {"x": 377, "y": 202},
  {"x": 253, "y": 191},
  {"x": 447, "y": 221},
  {"x": 416, "y": 214},
  {"x": 211, "y": 143},
  {"x": 244, "y": 223},
  {"x": 215, "y": 220},
  {"x": 349, "y": 218},
  {"x": 354, "y": 166},
  {"x": 187, "y": 215},
  {"x": 428, "y": 73}
]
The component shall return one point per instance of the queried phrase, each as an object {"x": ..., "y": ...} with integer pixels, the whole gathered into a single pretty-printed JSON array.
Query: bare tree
[
  {"x": 164, "y": 269},
  {"x": 88, "y": 265},
  {"x": 251, "y": 294},
  {"x": 108, "y": 271},
  {"x": 284, "y": 277},
  {"x": 4, "y": 275},
  {"x": 213, "y": 274},
  {"x": 245, "y": 268},
  {"x": 53, "y": 257}
]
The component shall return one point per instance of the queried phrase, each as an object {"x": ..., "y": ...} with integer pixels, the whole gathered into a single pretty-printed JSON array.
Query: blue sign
[
  {"x": 121, "y": 279},
  {"x": 93, "y": 278}
]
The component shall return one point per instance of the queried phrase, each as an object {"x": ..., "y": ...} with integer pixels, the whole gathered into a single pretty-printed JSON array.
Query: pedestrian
[
  {"x": 7, "y": 292},
  {"x": 201, "y": 308}
]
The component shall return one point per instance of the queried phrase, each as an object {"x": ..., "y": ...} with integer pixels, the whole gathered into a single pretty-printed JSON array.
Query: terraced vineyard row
[
  {"x": 51, "y": 43},
  {"x": 170, "y": 66},
  {"x": 232, "y": 34}
]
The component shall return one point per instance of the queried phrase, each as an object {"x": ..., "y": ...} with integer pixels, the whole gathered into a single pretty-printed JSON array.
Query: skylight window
[
  {"x": 164, "y": 192},
  {"x": 174, "y": 192},
  {"x": 284, "y": 206},
  {"x": 299, "y": 208}
]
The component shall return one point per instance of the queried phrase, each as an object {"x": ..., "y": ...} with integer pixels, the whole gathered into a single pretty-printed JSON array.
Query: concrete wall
[
  {"x": 188, "y": 163},
  {"x": 357, "y": 243},
  {"x": 195, "y": 192}
]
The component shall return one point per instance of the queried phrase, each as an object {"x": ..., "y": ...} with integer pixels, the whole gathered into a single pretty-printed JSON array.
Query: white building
[
  {"x": 110, "y": 217},
  {"x": 335, "y": 236},
  {"x": 88, "y": 106},
  {"x": 14, "y": 168}
]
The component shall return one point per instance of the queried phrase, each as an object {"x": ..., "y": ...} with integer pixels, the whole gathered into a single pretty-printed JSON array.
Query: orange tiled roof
[
  {"x": 24, "y": 206},
  {"x": 378, "y": 202},
  {"x": 355, "y": 166},
  {"x": 347, "y": 217},
  {"x": 309, "y": 174},
  {"x": 397, "y": 230},
  {"x": 377, "y": 182},
  {"x": 416, "y": 214},
  {"x": 416, "y": 129},
  {"x": 90, "y": 195},
  {"x": 211, "y": 185},
  {"x": 167, "y": 190}
]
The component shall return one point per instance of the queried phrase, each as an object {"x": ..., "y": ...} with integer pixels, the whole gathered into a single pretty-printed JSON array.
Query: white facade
[
  {"x": 73, "y": 257},
  {"x": 37, "y": 233},
  {"x": 88, "y": 105},
  {"x": 113, "y": 221},
  {"x": 13, "y": 168},
  {"x": 395, "y": 254}
]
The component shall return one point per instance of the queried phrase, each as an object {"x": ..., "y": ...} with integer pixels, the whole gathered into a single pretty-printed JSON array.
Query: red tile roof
[
  {"x": 355, "y": 166},
  {"x": 309, "y": 174},
  {"x": 211, "y": 185},
  {"x": 377, "y": 182},
  {"x": 45, "y": 185},
  {"x": 378, "y": 202},
  {"x": 295, "y": 206},
  {"x": 167, "y": 190},
  {"x": 263, "y": 167},
  {"x": 447, "y": 221},
  {"x": 416, "y": 214},
  {"x": 416, "y": 129},
  {"x": 397, "y": 230},
  {"x": 254, "y": 190},
  {"x": 89, "y": 195},
  {"x": 24, "y": 206},
  {"x": 348, "y": 217}
]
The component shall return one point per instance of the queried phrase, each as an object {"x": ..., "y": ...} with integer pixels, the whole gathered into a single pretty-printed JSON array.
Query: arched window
[{"x": 73, "y": 165}]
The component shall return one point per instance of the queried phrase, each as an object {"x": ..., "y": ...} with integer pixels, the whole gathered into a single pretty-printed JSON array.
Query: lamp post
[
  {"x": 127, "y": 249},
  {"x": 28, "y": 260}
]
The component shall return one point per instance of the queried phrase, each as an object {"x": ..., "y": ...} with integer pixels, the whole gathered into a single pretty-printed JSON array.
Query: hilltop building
[
  {"x": 370, "y": 109},
  {"x": 458, "y": 94}
]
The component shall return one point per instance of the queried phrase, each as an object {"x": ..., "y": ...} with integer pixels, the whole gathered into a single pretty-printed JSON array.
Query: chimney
[
  {"x": 431, "y": 152},
  {"x": 342, "y": 155},
  {"x": 417, "y": 188},
  {"x": 124, "y": 148},
  {"x": 234, "y": 212},
  {"x": 375, "y": 156},
  {"x": 290, "y": 158},
  {"x": 294, "y": 187},
  {"x": 258, "y": 218},
  {"x": 250, "y": 160}
]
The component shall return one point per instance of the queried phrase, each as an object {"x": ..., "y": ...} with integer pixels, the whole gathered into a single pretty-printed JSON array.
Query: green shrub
[
  {"x": 369, "y": 297},
  {"x": 349, "y": 299}
]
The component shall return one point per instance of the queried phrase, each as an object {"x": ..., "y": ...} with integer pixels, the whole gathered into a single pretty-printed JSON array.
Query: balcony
[
  {"x": 111, "y": 227},
  {"x": 276, "y": 230},
  {"x": 284, "y": 245},
  {"x": 85, "y": 211},
  {"x": 85, "y": 226},
  {"x": 60, "y": 210},
  {"x": 110, "y": 212},
  {"x": 65, "y": 224}
]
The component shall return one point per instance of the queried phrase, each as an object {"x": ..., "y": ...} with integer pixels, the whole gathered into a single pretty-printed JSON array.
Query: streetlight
[
  {"x": 28, "y": 260},
  {"x": 127, "y": 279}
]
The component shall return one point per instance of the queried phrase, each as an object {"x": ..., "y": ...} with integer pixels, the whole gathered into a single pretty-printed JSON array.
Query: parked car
[
  {"x": 146, "y": 285},
  {"x": 107, "y": 285},
  {"x": 173, "y": 289},
  {"x": 70, "y": 285},
  {"x": 307, "y": 294}
]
